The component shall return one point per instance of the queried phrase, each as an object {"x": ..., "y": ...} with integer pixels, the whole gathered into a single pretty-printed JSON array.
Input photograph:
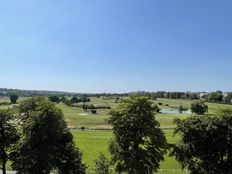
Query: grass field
[{"x": 92, "y": 142}]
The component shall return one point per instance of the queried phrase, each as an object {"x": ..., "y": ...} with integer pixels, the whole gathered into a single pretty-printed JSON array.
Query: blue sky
[{"x": 116, "y": 45}]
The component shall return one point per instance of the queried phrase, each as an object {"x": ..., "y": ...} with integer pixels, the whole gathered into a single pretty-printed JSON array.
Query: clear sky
[{"x": 116, "y": 45}]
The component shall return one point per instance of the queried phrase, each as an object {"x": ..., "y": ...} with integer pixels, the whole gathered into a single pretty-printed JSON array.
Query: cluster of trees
[
  {"x": 214, "y": 97},
  {"x": 171, "y": 95},
  {"x": 42, "y": 143},
  {"x": 74, "y": 99},
  {"x": 210, "y": 97},
  {"x": 205, "y": 146},
  {"x": 218, "y": 97}
]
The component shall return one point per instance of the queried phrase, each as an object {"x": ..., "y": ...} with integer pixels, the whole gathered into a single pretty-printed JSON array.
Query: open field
[{"x": 91, "y": 143}]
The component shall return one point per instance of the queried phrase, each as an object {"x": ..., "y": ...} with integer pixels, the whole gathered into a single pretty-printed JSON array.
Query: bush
[
  {"x": 13, "y": 98},
  {"x": 54, "y": 98},
  {"x": 199, "y": 107},
  {"x": 102, "y": 165},
  {"x": 94, "y": 111}
]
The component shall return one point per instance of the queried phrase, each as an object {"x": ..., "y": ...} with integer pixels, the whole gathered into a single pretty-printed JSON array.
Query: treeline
[
  {"x": 4, "y": 92},
  {"x": 218, "y": 96},
  {"x": 171, "y": 95}
]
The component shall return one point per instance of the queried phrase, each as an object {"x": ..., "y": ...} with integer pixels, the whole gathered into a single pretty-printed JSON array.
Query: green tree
[
  {"x": 206, "y": 144},
  {"x": 47, "y": 143},
  {"x": 8, "y": 137},
  {"x": 74, "y": 99},
  {"x": 29, "y": 106},
  {"x": 139, "y": 144},
  {"x": 54, "y": 98},
  {"x": 102, "y": 165},
  {"x": 215, "y": 96},
  {"x": 199, "y": 107},
  {"x": 228, "y": 98},
  {"x": 13, "y": 98}
]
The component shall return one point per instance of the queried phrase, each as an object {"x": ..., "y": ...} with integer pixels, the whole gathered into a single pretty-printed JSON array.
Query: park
[{"x": 92, "y": 133}]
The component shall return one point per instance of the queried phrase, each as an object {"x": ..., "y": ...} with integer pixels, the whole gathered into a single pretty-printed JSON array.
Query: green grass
[
  {"x": 77, "y": 118},
  {"x": 91, "y": 143}
]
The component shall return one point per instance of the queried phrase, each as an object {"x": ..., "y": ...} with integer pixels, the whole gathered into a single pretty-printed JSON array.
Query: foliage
[
  {"x": 198, "y": 107},
  {"x": 206, "y": 144},
  {"x": 74, "y": 99},
  {"x": 54, "y": 98},
  {"x": 94, "y": 111},
  {"x": 102, "y": 165},
  {"x": 139, "y": 143},
  {"x": 8, "y": 137},
  {"x": 214, "y": 96},
  {"x": 47, "y": 143},
  {"x": 13, "y": 98},
  {"x": 156, "y": 108},
  {"x": 63, "y": 99},
  {"x": 27, "y": 107},
  {"x": 228, "y": 98}
]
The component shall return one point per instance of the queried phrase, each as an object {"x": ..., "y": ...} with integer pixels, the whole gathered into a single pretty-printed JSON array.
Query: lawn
[{"x": 91, "y": 143}]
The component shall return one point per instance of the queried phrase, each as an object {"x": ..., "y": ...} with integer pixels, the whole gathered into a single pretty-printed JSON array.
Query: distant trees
[
  {"x": 199, "y": 107},
  {"x": 214, "y": 97},
  {"x": 8, "y": 137},
  {"x": 139, "y": 143},
  {"x": 46, "y": 143},
  {"x": 205, "y": 146},
  {"x": 54, "y": 98},
  {"x": 13, "y": 98}
]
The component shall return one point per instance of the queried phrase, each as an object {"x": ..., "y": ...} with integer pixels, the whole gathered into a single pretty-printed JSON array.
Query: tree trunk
[{"x": 4, "y": 167}]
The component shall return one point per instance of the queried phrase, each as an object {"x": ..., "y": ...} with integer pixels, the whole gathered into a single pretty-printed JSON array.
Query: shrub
[{"x": 94, "y": 111}]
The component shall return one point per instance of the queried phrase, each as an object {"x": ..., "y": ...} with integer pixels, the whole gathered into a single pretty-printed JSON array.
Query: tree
[
  {"x": 198, "y": 107},
  {"x": 47, "y": 143},
  {"x": 215, "y": 96},
  {"x": 139, "y": 144},
  {"x": 29, "y": 106},
  {"x": 102, "y": 165},
  {"x": 74, "y": 99},
  {"x": 206, "y": 144},
  {"x": 54, "y": 98},
  {"x": 13, "y": 98},
  {"x": 228, "y": 98},
  {"x": 8, "y": 137}
]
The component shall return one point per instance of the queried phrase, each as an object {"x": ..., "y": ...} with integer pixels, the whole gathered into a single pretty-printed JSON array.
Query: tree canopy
[
  {"x": 206, "y": 144},
  {"x": 47, "y": 143},
  {"x": 13, "y": 98},
  {"x": 199, "y": 107},
  {"x": 8, "y": 137},
  {"x": 139, "y": 143}
]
